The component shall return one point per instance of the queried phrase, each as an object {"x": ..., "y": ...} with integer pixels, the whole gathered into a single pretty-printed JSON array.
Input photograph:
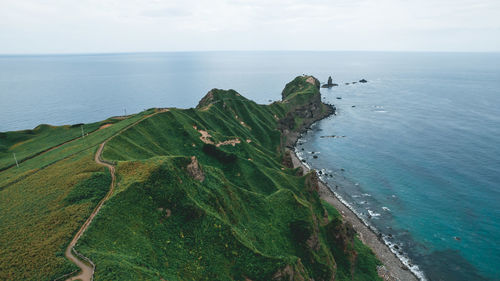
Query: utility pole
[
  {"x": 125, "y": 110},
  {"x": 82, "y": 132},
  {"x": 17, "y": 164}
]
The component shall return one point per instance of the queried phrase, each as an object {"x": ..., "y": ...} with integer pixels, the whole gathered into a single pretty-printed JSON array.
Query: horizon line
[{"x": 236, "y": 51}]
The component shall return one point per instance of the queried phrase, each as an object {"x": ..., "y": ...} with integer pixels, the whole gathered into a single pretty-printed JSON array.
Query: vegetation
[
  {"x": 29, "y": 143},
  {"x": 249, "y": 216},
  {"x": 46, "y": 200}
]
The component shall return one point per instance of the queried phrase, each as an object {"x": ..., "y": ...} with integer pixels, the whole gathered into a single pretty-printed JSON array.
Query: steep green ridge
[
  {"x": 231, "y": 212},
  {"x": 189, "y": 209}
]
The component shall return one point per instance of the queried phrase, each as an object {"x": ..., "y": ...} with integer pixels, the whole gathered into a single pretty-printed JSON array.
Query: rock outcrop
[
  {"x": 330, "y": 83},
  {"x": 194, "y": 170},
  {"x": 302, "y": 115}
]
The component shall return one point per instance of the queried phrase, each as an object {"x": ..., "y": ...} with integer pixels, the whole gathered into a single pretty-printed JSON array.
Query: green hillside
[{"x": 206, "y": 193}]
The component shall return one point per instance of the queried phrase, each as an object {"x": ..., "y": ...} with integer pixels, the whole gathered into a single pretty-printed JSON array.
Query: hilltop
[{"x": 206, "y": 193}]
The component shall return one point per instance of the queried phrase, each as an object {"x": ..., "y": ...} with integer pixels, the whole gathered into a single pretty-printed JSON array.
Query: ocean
[{"x": 415, "y": 151}]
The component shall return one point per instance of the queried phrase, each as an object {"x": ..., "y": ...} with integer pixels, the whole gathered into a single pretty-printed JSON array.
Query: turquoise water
[{"x": 422, "y": 140}]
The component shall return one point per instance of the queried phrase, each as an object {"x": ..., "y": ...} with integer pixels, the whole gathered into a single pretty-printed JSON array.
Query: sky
[{"x": 103, "y": 26}]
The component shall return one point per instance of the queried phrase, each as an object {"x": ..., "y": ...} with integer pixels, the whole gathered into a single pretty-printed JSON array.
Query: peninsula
[{"x": 206, "y": 193}]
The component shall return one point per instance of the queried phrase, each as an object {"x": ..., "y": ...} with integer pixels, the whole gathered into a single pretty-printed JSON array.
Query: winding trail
[{"x": 86, "y": 266}]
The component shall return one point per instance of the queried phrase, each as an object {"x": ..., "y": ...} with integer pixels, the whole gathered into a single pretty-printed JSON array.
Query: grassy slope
[
  {"x": 46, "y": 200},
  {"x": 251, "y": 217},
  {"x": 29, "y": 143}
]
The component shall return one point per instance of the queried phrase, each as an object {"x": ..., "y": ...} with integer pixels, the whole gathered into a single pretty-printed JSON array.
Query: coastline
[{"x": 393, "y": 268}]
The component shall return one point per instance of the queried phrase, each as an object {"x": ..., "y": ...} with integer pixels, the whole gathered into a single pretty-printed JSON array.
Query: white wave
[
  {"x": 386, "y": 209},
  {"x": 399, "y": 254},
  {"x": 373, "y": 214},
  {"x": 404, "y": 259}
]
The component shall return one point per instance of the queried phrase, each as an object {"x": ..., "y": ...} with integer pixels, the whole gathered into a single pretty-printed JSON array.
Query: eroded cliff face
[
  {"x": 304, "y": 109},
  {"x": 301, "y": 115}
]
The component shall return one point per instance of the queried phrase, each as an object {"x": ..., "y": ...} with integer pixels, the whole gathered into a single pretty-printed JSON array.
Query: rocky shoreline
[{"x": 393, "y": 268}]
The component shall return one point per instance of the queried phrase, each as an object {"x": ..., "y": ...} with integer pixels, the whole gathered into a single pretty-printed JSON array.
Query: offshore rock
[{"x": 329, "y": 84}]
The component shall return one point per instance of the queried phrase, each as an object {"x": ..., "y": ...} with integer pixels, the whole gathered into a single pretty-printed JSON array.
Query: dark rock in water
[
  {"x": 354, "y": 82},
  {"x": 404, "y": 267},
  {"x": 396, "y": 247},
  {"x": 329, "y": 84},
  {"x": 315, "y": 156},
  {"x": 347, "y": 83},
  {"x": 457, "y": 238},
  {"x": 353, "y": 106},
  {"x": 270, "y": 100},
  {"x": 390, "y": 235},
  {"x": 362, "y": 81},
  {"x": 342, "y": 169},
  {"x": 320, "y": 172},
  {"x": 331, "y": 176},
  {"x": 312, "y": 152},
  {"x": 303, "y": 160},
  {"x": 302, "y": 149},
  {"x": 339, "y": 98}
]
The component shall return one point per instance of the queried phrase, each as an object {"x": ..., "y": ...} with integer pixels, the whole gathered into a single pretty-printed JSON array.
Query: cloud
[{"x": 32, "y": 26}]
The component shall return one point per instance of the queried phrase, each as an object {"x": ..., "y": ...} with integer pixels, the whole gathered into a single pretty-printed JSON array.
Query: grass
[
  {"x": 29, "y": 143},
  {"x": 45, "y": 201},
  {"x": 250, "y": 218},
  {"x": 32, "y": 247}
]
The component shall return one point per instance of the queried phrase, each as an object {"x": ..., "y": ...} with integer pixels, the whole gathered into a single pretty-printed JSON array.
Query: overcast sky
[{"x": 90, "y": 26}]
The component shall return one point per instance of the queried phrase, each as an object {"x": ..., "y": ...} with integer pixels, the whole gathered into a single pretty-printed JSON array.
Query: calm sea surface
[{"x": 416, "y": 152}]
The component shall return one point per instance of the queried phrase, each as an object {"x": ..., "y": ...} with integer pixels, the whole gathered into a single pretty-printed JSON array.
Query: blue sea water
[{"x": 417, "y": 157}]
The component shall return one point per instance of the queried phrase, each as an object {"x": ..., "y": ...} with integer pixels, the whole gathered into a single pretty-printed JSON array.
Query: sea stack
[{"x": 329, "y": 84}]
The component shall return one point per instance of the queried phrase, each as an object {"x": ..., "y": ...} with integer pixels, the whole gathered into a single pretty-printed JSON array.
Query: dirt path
[{"x": 86, "y": 266}]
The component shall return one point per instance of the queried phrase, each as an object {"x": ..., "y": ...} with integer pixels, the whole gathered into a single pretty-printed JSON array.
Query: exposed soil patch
[
  {"x": 105, "y": 126},
  {"x": 232, "y": 142},
  {"x": 310, "y": 80},
  {"x": 207, "y": 138}
]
